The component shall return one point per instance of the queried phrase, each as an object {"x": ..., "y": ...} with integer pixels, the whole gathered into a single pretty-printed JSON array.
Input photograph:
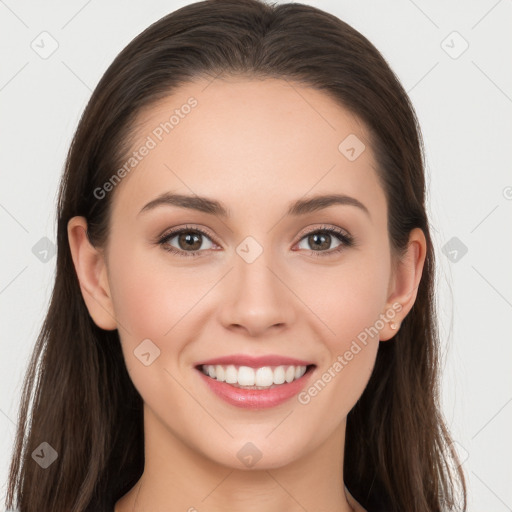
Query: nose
[{"x": 256, "y": 297}]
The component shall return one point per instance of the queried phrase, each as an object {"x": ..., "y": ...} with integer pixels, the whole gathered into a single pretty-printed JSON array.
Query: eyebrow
[{"x": 213, "y": 207}]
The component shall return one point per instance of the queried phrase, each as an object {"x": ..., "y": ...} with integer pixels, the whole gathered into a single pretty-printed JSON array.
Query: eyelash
[{"x": 346, "y": 239}]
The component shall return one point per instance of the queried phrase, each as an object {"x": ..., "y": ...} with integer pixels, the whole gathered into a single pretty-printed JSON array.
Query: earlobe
[
  {"x": 404, "y": 283},
  {"x": 91, "y": 271}
]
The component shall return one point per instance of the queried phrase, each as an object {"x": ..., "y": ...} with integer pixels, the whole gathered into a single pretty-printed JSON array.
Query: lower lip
[{"x": 256, "y": 398}]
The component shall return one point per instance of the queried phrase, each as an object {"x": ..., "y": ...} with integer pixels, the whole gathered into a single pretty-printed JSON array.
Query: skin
[{"x": 256, "y": 146}]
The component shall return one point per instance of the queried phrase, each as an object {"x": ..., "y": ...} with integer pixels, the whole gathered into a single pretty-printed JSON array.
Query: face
[{"x": 312, "y": 285}]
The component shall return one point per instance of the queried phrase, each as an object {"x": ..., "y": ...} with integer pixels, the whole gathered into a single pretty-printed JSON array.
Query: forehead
[{"x": 236, "y": 138}]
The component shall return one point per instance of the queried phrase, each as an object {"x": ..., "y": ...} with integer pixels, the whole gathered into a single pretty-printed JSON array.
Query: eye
[
  {"x": 188, "y": 240},
  {"x": 190, "y": 243},
  {"x": 322, "y": 238}
]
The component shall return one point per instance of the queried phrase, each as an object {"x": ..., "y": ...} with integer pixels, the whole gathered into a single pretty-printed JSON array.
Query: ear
[
  {"x": 91, "y": 271},
  {"x": 404, "y": 282}
]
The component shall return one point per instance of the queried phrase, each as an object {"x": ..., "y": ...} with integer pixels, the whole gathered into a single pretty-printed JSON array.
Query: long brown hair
[{"x": 84, "y": 403}]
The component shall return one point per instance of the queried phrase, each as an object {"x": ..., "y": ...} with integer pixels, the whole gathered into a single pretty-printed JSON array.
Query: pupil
[
  {"x": 189, "y": 239},
  {"x": 316, "y": 236}
]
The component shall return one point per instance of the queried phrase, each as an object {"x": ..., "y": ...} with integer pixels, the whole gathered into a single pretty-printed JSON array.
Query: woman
[{"x": 243, "y": 313}]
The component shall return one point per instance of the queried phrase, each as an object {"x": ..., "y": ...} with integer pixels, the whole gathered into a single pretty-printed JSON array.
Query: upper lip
[{"x": 255, "y": 362}]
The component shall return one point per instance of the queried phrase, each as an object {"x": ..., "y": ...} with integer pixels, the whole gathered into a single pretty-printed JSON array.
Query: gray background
[{"x": 463, "y": 99}]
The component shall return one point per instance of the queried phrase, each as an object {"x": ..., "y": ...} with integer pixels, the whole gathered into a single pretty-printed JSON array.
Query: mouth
[{"x": 255, "y": 378}]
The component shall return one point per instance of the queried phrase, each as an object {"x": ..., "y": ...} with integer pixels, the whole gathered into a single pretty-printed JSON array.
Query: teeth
[
  {"x": 264, "y": 377},
  {"x": 279, "y": 375},
  {"x": 246, "y": 376},
  {"x": 254, "y": 378},
  {"x": 231, "y": 374}
]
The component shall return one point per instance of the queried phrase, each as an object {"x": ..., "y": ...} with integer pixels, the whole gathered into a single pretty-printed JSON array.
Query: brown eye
[
  {"x": 189, "y": 241},
  {"x": 320, "y": 240}
]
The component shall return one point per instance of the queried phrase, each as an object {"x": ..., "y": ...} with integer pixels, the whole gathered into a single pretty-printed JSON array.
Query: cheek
[
  {"x": 350, "y": 308},
  {"x": 348, "y": 297},
  {"x": 349, "y": 300},
  {"x": 149, "y": 298}
]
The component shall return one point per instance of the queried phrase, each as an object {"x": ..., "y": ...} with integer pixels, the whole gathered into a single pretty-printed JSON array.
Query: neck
[{"x": 178, "y": 478}]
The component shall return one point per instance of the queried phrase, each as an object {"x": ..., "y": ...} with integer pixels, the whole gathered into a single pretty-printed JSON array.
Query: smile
[
  {"x": 255, "y": 388},
  {"x": 245, "y": 377}
]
